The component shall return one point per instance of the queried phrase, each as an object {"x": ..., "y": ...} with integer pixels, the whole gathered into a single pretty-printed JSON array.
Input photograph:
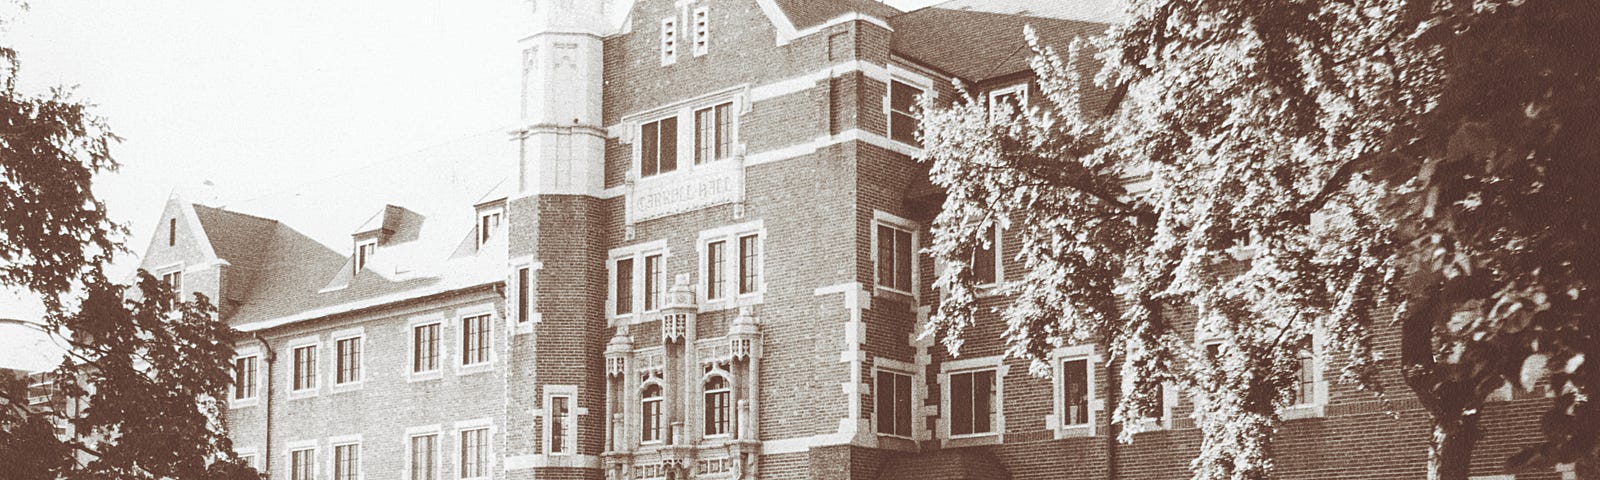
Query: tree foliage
[{"x": 1318, "y": 171}]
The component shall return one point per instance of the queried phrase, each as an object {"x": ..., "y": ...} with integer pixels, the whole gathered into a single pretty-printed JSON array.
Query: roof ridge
[{"x": 233, "y": 212}]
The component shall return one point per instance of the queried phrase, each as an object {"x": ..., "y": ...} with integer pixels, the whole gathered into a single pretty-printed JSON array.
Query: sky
[{"x": 258, "y": 99}]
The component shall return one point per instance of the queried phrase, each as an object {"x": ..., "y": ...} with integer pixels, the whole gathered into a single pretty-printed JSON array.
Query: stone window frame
[
  {"x": 730, "y": 235},
  {"x": 637, "y": 252},
  {"x": 1020, "y": 89},
  {"x": 882, "y": 218},
  {"x": 733, "y": 409},
  {"x": 1169, "y": 399},
  {"x": 522, "y": 322},
  {"x": 918, "y": 395},
  {"x": 1056, "y": 422},
  {"x": 313, "y": 342},
  {"x": 438, "y": 448},
  {"x": 358, "y": 334},
  {"x": 253, "y": 399},
  {"x": 632, "y": 125},
  {"x": 457, "y": 430},
  {"x": 491, "y": 356},
  {"x": 333, "y": 455},
  {"x": 663, "y": 416},
  {"x": 412, "y": 375},
  {"x": 996, "y": 435},
  {"x": 548, "y": 420},
  {"x": 1318, "y": 405},
  {"x": 300, "y": 446}
]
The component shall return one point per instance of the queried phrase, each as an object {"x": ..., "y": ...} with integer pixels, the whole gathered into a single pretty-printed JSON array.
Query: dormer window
[
  {"x": 364, "y": 250},
  {"x": 1008, "y": 100},
  {"x": 488, "y": 223}
]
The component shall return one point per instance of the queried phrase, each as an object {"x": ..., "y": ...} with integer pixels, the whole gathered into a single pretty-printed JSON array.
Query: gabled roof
[
  {"x": 978, "y": 40},
  {"x": 805, "y": 14}
]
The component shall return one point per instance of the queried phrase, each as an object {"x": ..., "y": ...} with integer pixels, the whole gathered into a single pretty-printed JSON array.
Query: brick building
[{"x": 702, "y": 262}]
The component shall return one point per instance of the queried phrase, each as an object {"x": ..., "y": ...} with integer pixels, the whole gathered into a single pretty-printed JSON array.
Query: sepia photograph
[{"x": 800, "y": 239}]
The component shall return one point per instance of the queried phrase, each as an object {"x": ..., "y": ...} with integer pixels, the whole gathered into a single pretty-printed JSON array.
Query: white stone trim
[
  {"x": 359, "y": 333},
  {"x": 1056, "y": 420},
  {"x": 411, "y": 347},
  {"x": 461, "y": 315},
  {"x": 968, "y": 365},
  {"x": 880, "y": 217},
  {"x": 464, "y": 426},
  {"x": 547, "y": 420},
  {"x": 438, "y": 448},
  {"x": 314, "y": 342},
  {"x": 637, "y": 252},
  {"x": 919, "y": 394},
  {"x": 255, "y": 394},
  {"x": 730, "y": 235}
]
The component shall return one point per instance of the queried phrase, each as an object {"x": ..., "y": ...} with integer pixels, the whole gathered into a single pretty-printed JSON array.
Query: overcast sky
[{"x": 260, "y": 98}]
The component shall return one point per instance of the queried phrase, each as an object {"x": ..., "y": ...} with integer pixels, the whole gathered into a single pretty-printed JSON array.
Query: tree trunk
[{"x": 1450, "y": 449}]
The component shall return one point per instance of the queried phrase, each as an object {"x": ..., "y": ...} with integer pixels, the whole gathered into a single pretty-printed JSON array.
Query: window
[
  {"x": 475, "y": 453},
  {"x": 560, "y": 424},
  {"x": 713, "y": 136},
  {"x": 653, "y": 280},
  {"x": 346, "y": 461},
  {"x": 894, "y": 403},
  {"x": 303, "y": 464},
  {"x": 702, "y": 31},
  {"x": 986, "y": 259},
  {"x": 903, "y": 125},
  {"x": 174, "y": 280},
  {"x": 1008, "y": 100},
  {"x": 424, "y": 451},
  {"x": 488, "y": 223},
  {"x": 172, "y": 231},
  {"x": 524, "y": 295},
  {"x": 650, "y": 429},
  {"x": 624, "y": 286},
  {"x": 425, "y": 348},
  {"x": 972, "y": 402},
  {"x": 749, "y": 264},
  {"x": 244, "y": 378},
  {"x": 719, "y": 417},
  {"x": 716, "y": 264},
  {"x": 894, "y": 258},
  {"x": 669, "y": 41},
  {"x": 305, "y": 367},
  {"x": 475, "y": 340},
  {"x": 1076, "y": 389},
  {"x": 364, "y": 251},
  {"x": 348, "y": 359},
  {"x": 248, "y": 459},
  {"x": 658, "y": 148},
  {"x": 1304, "y": 389}
]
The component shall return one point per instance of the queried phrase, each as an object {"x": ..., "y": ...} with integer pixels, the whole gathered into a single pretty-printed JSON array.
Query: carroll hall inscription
[{"x": 703, "y": 187}]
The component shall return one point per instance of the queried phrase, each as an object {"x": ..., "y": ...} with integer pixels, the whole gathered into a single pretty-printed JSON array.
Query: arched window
[
  {"x": 651, "y": 427},
  {"x": 719, "y": 418}
]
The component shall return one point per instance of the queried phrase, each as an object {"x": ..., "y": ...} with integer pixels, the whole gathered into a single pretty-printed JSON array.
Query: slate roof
[
  {"x": 978, "y": 40},
  {"x": 974, "y": 463},
  {"x": 809, "y": 13}
]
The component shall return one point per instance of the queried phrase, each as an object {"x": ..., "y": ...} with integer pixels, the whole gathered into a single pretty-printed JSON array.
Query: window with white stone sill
[{"x": 1076, "y": 409}]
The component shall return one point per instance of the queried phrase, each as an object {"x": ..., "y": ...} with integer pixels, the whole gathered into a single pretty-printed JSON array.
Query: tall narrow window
[
  {"x": 172, "y": 231},
  {"x": 524, "y": 294},
  {"x": 985, "y": 259},
  {"x": 560, "y": 409},
  {"x": 658, "y": 147},
  {"x": 653, "y": 282},
  {"x": 349, "y": 360},
  {"x": 364, "y": 251},
  {"x": 303, "y": 464},
  {"x": 475, "y": 340},
  {"x": 903, "y": 124},
  {"x": 702, "y": 31},
  {"x": 1075, "y": 392},
  {"x": 719, "y": 420},
  {"x": 669, "y": 41},
  {"x": 894, "y": 258},
  {"x": 716, "y": 269},
  {"x": 305, "y": 367},
  {"x": 713, "y": 136},
  {"x": 894, "y": 403},
  {"x": 650, "y": 429},
  {"x": 475, "y": 453},
  {"x": 749, "y": 264},
  {"x": 972, "y": 402},
  {"x": 424, "y": 451},
  {"x": 1303, "y": 391},
  {"x": 346, "y": 461},
  {"x": 488, "y": 223},
  {"x": 244, "y": 378},
  {"x": 624, "y": 286},
  {"x": 425, "y": 348}
]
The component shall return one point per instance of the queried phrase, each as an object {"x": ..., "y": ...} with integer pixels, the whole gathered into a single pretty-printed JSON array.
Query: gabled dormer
[
  {"x": 378, "y": 231},
  {"x": 490, "y": 212}
]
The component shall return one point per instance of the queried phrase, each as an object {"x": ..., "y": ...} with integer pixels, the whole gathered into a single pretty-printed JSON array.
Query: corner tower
[{"x": 561, "y": 137}]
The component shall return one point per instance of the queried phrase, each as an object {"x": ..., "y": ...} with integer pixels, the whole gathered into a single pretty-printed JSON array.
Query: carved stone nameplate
[{"x": 700, "y": 187}]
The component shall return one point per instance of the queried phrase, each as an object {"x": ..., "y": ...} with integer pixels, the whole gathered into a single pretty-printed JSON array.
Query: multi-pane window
[
  {"x": 894, "y": 258},
  {"x": 719, "y": 415},
  {"x": 658, "y": 147},
  {"x": 425, "y": 348},
  {"x": 305, "y": 367},
  {"x": 524, "y": 294},
  {"x": 424, "y": 451},
  {"x": 244, "y": 378},
  {"x": 174, "y": 280},
  {"x": 1075, "y": 392},
  {"x": 716, "y": 265},
  {"x": 475, "y": 453},
  {"x": 654, "y": 280},
  {"x": 749, "y": 264},
  {"x": 972, "y": 402},
  {"x": 560, "y": 431},
  {"x": 986, "y": 259},
  {"x": 1303, "y": 391},
  {"x": 364, "y": 251},
  {"x": 303, "y": 464},
  {"x": 346, "y": 461},
  {"x": 650, "y": 427},
  {"x": 713, "y": 133},
  {"x": 475, "y": 340},
  {"x": 349, "y": 360},
  {"x": 624, "y": 286},
  {"x": 894, "y": 403},
  {"x": 903, "y": 124}
]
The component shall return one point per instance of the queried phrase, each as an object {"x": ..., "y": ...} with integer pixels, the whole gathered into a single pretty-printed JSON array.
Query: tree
[
  {"x": 154, "y": 366},
  {"x": 1313, "y": 166}
]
